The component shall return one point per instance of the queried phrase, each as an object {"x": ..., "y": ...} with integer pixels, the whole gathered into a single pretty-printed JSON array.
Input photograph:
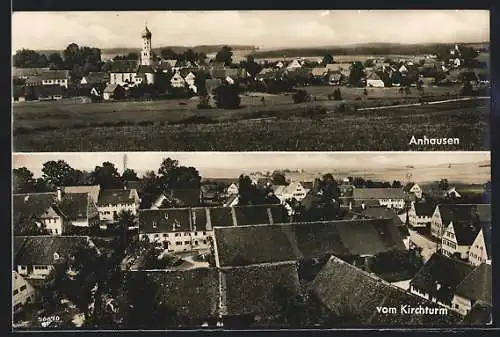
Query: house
[
  {"x": 295, "y": 64},
  {"x": 279, "y": 242},
  {"x": 25, "y": 73},
  {"x": 341, "y": 287},
  {"x": 464, "y": 213},
  {"x": 413, "y": 188},
  {"x": 389, "y": 213},
  {"x": 112, "y": 202},
  {"x": 403, "y": 69},
  {"x": 420, "y": 214},
  {"x": 279, "y": 64},
  {"x": 295, "y": 189},
  {"x": 54, "y": 211},
  {"x": 47, "y": 92},
  {"x": 452, "y": 193},
  {"x": 480, "y": 250},
  {"x": 178, "y": 197},
  {"x": 190, "y": 78},
  {"x": 144, "y": 74},
  {"x": 233, "y": 200},
  {"x": 123, "y": 72},
  {"x": 343, "y": 68},
  {"x": 37, "y": 255},
  {"x": 178, "y": 229},
  {"x": 92, "y": 190},
  {"x": 388, "y": 197},
  {"x": 233, "y": 189},
  {"x": 35, "y": 80},
  {"x": 477, "y": 287},
  {"x": 439, "y": 278},
  {"x": 95, "y": 78},
  {"x": 56, "y": 77},
  {"x": 23, "y": 293},
  {"x": 374, "y": 80},
  {"x": 177, "y": 81},
  {"x": 458, "y": 237},
  {"x": 113, "y": 91}
]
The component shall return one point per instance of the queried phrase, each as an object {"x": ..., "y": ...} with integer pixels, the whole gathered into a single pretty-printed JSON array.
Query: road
[{"x": 428, "y": 246}]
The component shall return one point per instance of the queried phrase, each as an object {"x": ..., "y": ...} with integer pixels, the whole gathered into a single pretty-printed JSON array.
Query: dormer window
[{"x": 56, "y": 256}]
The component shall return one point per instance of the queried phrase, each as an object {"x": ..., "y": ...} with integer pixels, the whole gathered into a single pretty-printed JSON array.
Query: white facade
[
  {"x": 450, "y": 245},
  {"x": 415, "y": 291},
  {"x": 35, "y": 271},
  {"x": 63, "y": 82},
  {"x": 22, "y": 292},
  {"x": 122, "y": 78},
  {"x": 181, "y": 241},
  {"x": 461, "y": 305},
  {"x": 190, "y": 78},
  {"x": 477, "y": 252},
  {"x": 436, "y": 224},
  {"x": 233, "y": 189},
  {"x": 392, "y": 203},
  {"x": 295, "y": 64},
  {"x": 416, "y": 220},
  {"x": 108, "y": 212},
  {"x": 416, "y": 190},
  {"x": 294, "y": 190},
  {"x": 177, "y": 81},
  {"x": 146, "y": 52},
  {"x": 375, "y": 83}
]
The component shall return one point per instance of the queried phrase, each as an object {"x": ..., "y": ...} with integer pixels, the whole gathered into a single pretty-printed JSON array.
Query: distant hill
[{"x": 363, "y": 49}]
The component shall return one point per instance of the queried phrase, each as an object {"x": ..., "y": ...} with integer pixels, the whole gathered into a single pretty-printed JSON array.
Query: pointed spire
[{"x": 146, "y": 33}]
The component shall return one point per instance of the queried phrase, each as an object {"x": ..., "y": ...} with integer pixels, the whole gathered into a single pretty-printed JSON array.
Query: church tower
[{"x": 146, "y": 53}]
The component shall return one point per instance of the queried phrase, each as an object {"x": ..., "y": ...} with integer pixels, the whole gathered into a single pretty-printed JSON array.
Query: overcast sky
[
  {"x": 218, "y": 164},
  {"x": 266, "y": 29}
]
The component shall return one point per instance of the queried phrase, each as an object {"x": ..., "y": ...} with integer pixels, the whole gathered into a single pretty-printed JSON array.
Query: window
[
  {"x": 456, "y": 306},
  {"x": 204, "y": 242},
  {"x": 178, "y": 243},
  {"x": 187, "y": 242},
  {"x": 196, "y": 243},
  {"x": 165, "y": 235},
  {"x": 204, "y": 233},
  {"x": 56, "y": 231},
  {"x": 15, "y": 292},
  {"x": 156, "y": 235},
  {"x": 22, "y": 288},
  {"x": 195, "y": 233},
  {"x": 177, "y": 234}
]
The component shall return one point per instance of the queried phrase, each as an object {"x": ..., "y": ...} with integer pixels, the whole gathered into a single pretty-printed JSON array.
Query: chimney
[{"x": 59, "y": 194}]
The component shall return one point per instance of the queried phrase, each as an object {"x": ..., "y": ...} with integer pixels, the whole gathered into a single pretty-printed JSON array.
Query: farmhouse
[
  {"x": 475, "y": 288},
  {"x": 92, "y": 190},
  {"x": 23, "y": 293},
  {"x": 438, "y": 279},
  {"x": 113, "y": 201},
  {"x": 36, "y": 256},
  {"x": 420, "y": 214},
  {"x": 480, "y": 250},
  {"x": 464, "y": 213},
  {"x": 340, "y": 286},
  {"x": 388, "y": 197},
  {"x": 295, "y": 64},
  {"x": 459, "y": 236},
  {"x": 177, "y": 81},
  {"x": 56, "y": 77},
  {"x": 113, "y": 91}
]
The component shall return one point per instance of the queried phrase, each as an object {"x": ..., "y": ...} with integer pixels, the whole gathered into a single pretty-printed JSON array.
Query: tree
[
  {"x": 200, "y": 83},
  {"x": 357, "y": 75},
  {"x": 252, "y": 67},
  {"x": 189, "y": 55},
  {"x": 22, "y": 180},
  {"x": 396, "y": 184},
  {"x": 369, "y": 63},
  {"x": 327, "y": 59},
  {"x": 27, "y": 58},
  {"x": 359, "y": 182},
  {"x": 151, "y": 188},
  {"x": 245, "y": 190},
  {"x": 58, "y": 173},
  {"x": 442, "y": 52},
  {"x": 107, "y": 176},
  {"x": 56, "y": 61},
  {"x": 279, "y": 178},
  {"x": 129, "y": 175},
  {"x": 444, "y": 185},
  {"x": 225, "y": 55},
  {"x": 161, "y": 82},
  {"x": 226, "y": 97},
  {"x": 468, "y": 55},
  {"x": 337, "y": 95},
  {"x": 168, "y": 54},
  {"x": 172, "y": 175}
]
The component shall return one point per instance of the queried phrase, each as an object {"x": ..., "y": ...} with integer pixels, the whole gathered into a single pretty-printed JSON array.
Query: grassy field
[{"x": 274, "y": 125}]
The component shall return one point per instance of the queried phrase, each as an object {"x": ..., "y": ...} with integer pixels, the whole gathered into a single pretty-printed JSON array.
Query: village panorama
[
  {"x": 149, "y": 241},
  {"x": 185, "y": 83}
]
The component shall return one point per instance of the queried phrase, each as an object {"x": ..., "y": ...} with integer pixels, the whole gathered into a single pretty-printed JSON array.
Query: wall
[
  {"x": 106, "y": 213},
  {"x": 54, "y": 225},
  {"x": 22, "y": 291},
  {"x": 173, "y": 241},
  {"x": 436, "y": 224},
  {"x": 477, "y": 252},
  {"x": 461, "y": 305}
]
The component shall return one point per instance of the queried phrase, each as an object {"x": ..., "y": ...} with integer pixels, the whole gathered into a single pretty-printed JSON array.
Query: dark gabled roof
[
  {"x": 145, "y": 69},
  {"x": 115, "y": 197},
  {"x": 342, "y": 287},
  {"x": 164, "y": 220},
  {"x": 92, "y": 190},
  {"x": 307, "y": 184},
  {"x": 55, "y": 74},
  {"x": 259, "y": 289},
  {"x": 378, "y": 193},
  {"x": 183, "y": 197},
  {"x": 134, "y": 185},
  {"x": 465, "y": 212},
  {"x": 123, "y": 66},
  {"x": 110, "y": 88},
  {"x": 477, "y": 286},
  {"x": 97, "y": 77},
  {"x": 191, "y": 294},
  {"x": 75, "y": 205},
  {"x": 17, "y": 244},
  {"x": 442, "y": 270},
  {"x": 39, "y": 250},
  {"x": 382, "y": 213},
  {"x": 221, "y": 216},
  {"x": 425, "y": 208},
  {"x": 408, "y": 187},
  {"x": 286, "y": 242}
]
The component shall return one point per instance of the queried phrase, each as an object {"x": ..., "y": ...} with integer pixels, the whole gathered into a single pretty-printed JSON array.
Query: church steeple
[{"x": 146, "y": 53}]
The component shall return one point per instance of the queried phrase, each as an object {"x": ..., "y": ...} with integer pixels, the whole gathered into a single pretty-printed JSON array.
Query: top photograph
[{"x": 308, "y": 80}]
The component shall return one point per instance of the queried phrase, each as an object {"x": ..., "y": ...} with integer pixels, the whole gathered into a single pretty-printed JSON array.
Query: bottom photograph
[{"x": 251, "y": 240}]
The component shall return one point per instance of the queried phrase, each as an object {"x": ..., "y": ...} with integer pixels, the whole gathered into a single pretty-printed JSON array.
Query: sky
[
  {"x": 265, "y": 29},
  {"x": 220, "y": 164}
]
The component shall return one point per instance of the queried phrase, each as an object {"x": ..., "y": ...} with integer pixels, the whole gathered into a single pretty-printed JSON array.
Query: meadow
[{"x": 275, "y": 124}]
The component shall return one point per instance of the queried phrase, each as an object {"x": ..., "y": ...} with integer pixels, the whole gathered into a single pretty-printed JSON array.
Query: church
[{"x": 129, "y": 72}]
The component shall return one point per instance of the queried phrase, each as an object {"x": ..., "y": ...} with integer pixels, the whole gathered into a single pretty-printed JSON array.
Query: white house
[
  {"x": 178, "y": 229},
  {"x": 297, "y": 190},
  {"x": 190, "y": 78},
  {"x": 23, "y": 292},
  {"x": 295, "y": 64},
  {"x": 472, "y": 214},
  {"x": 374, "y": 80},
  {"x": 177, "y": 81},
  {"x": 477, "y": 287},
  {"x": 480, "y": 250},
  {"x": 388, "y": 197},
  {"x": 452, "y": 243},
  {"x": 233, "y": 189},
  {"x": 113, "y": 201},
  {"x": 403, "y": 69},
  {"x": 414, "y": 188},
  {"x": 420, "y": 214}
]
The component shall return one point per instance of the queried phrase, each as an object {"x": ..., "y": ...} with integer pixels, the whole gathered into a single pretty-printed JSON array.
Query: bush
[
  {"x": 300, "y": 96},
  {"x": 226, "y": 97}
]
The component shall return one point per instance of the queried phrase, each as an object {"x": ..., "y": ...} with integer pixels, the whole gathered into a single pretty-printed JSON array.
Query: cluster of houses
[{"x": 46, "y": 84}]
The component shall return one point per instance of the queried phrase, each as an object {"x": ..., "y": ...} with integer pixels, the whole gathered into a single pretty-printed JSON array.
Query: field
[{"x": 275, "y": 125}]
